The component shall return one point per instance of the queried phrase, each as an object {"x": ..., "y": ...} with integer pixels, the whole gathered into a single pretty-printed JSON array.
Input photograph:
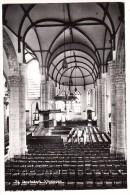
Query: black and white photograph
[{"x": 64, "y": 96}]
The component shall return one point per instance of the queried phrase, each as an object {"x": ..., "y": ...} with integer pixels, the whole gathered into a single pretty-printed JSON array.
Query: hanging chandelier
[
  {"x": 75, "y": 71},
  {"x": 65, "y": 94}
]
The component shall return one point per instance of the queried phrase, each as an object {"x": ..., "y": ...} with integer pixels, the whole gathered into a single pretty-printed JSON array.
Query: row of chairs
[
  {"x": 64, "y": 185},
  {"x": 61, "y": 168}
]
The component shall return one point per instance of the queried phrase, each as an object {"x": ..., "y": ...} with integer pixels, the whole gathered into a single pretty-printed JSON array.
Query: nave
[
  {"x": 51, "y": 164},
  {"x": 64, "y": 70}
]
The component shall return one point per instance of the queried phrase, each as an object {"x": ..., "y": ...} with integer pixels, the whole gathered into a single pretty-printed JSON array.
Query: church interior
[{"x": 64, "y": 98}]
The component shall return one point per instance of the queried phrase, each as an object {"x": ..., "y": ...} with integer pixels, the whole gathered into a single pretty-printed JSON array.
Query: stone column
[
  {"x": 42, "y": 100},
  {"x": 99, "y": 104},
  {"x": 43, "y": 83},
  {"x": 96, "y": 99},
  {"x": 46, "y": 96},
  {"x": 104, "y": 106},
  {"x": 27, "y": 119},
  {"x": 14, "y": 131},
  {"x": 93, "y": 99},
  {"x": 22, "y": 109},
  {"x": 120, "y": 114},
  {"x": 113, "y": 107},
  {"x": 5, "y": 118}
]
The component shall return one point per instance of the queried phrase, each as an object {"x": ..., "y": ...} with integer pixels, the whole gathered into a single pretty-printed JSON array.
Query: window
[
  {"x": 89, "y": 97},
  {"x": 33, "y": 79},
  {"x": 77, "y": 104}
]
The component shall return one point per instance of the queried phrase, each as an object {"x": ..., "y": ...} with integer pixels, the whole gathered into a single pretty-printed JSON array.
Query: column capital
[
  {"x": 111, "y": 63},
  {"x": 112, "y": 67},
  {"x": 22, "y": 68},
  {"x": 14, "y": 80},
  {"x": 120, "y": 78},
  {"x": 103, "y": 80},
  {"x": 99, "y": 81},
  {"x": 43, "y": 78}
]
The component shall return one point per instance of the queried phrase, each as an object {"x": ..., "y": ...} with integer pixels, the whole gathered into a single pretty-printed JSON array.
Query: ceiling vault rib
[
  {"x": 94, "y": 19},
  {"x": 90, "y": 42},
  {"x": 104, "y": 49},
  {"x": 55, "y": 20},
  {"x": 5, "y": 7},
  {"x": 76, "y": 50},
  {"x": 74, "y": 77},
  {"x": 67, "y": 24},
  {"x": 80, "y": 66},
  {"x": 71, "y": 31},
  {"x": 82, "y": 75},
  {"x": 81, "y": 25},
  {"x": 23, "y": 42},
  {"x": 39, "y": 21},
  {"x": 105, "y": 12},
  {"x": 71, "y": 75},
  {"x": 26, "y": 13},
  {"x": 83, "y": 62},
  {"x": 118, "y": 27},
  {"x": 81, "y": 44},
  {"x": 36, "y": 36},
  {"x": 77, "y": 57},
  {"x": 56, "y": 37},
  {"x": 109, "y": 17}
]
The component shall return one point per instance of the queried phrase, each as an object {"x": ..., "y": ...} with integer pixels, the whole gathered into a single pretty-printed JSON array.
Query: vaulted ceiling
[{"x": 85, "y": 32}]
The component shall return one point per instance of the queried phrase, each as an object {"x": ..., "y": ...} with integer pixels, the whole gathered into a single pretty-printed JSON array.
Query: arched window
[
  {"x": 89, "y": 97},
  {"x": 77, "y": 104},
  {"x": 78, "y": 95},
  {"x": 33, "y": 79}
]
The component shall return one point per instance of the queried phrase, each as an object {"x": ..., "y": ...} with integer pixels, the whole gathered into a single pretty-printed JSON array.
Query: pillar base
[
  {"x": 113, "y": 150},
  {"x": 12, "y": 153},
  {"x": 24, "y": 150},
  {"x": 120, "y": 152}
]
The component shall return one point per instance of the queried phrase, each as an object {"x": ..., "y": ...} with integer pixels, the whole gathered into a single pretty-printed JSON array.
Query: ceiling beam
[
  {"x": 4, "y": 8},
  {"x": 78, "y": 65},
  {"x": 74, "y": 77},
  {"x": 86, "y": 36},
  {"x": 71, "y": 32},
  {"x": 58, "y": 71},
  {"x": 105, "y": 11},
  {"x": 35, "y": 33},
  {"x": 82, "y": 62},
  {"x": 82, "y": 75},
  {"x": 67, "y": 24},
  {"x": 109, "y": 17},
  {"x": 94, "y": 57},
  {"x": 27, "y": 46},
  {"x": 52, "y": 43},
  {"x": 72, "y": 61},
  {"x": 55, "y": 20},
  {"x": 104, "y": 48},
  {"x": 26, "y": 13}
]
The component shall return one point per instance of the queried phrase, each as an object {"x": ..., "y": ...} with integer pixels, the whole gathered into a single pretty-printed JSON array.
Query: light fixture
[
  {"x": 75, "y": 71},
  {"x": 65, "y": 94}
]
